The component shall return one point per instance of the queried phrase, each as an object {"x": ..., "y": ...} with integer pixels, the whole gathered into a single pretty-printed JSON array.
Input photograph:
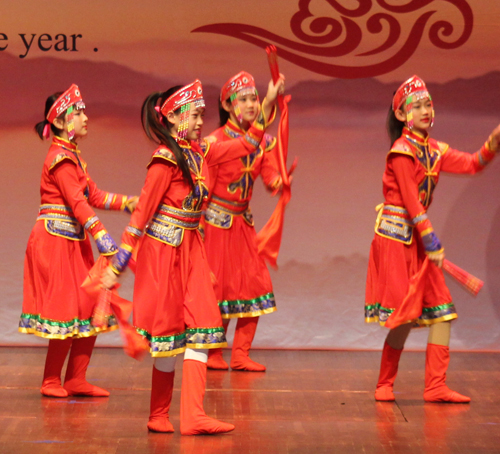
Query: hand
[
  {"x": 273, "y": 90},
  {"x": 132, "y": 203},
  {"x": 437, "y": 258},
  {"x": 494, "y": 139},
  {"x": 108, "y": 278}
]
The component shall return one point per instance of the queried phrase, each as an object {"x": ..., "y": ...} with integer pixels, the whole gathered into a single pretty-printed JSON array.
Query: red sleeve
[
  {"x": 219, "y": 152},
  {"x": 158, "y": 180},
  {"x": 270, "y": 169},
  {"x": 105, "y": 200},
  {"x": 404, "y": 171},
  {"x": 455, "y": 161},
  {"x": 66, "y": 178}
]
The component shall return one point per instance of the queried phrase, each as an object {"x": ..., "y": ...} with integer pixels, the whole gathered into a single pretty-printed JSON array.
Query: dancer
[
  {"x": 405, "y": 245},
  {"x": 174, "y": 301},
  {"x": 244, "y": 289},
  {"x": 59, "y": 254}
]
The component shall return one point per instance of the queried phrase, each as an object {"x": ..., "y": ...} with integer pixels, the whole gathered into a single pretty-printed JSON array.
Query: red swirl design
[{"x": 315, "y": 33}]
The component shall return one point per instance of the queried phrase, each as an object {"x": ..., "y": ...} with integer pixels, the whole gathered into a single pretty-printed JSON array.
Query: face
[
  {"x": 422, "y": 114},
  {"x": 249, "y": 107},
  {"x": 195, "y": 122},
  {"x": 80, "y": 121}
]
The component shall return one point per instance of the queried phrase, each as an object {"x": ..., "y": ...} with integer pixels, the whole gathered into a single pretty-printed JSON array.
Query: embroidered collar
[
  {"x": 416, "y": 137},
  {"x": 184, "y": 143},
  {"x": 66, "y": 144}
]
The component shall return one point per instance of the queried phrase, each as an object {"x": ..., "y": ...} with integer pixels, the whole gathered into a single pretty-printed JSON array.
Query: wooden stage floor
[{"x": 307, "y": 402}]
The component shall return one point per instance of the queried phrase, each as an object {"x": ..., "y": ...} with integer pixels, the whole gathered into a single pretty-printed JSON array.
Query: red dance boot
[
  {"x": 437, "y": 359},
  {"x": 56, "y": 354},
  {"x": 243, "y": 338},
  {"x": 194, "y": 421},
  {"x": 161, "y": 396},
  {"x": 388, "y": 371},
  {"x": 215, "y": 360},
  {"x": 75, "y": 382}
]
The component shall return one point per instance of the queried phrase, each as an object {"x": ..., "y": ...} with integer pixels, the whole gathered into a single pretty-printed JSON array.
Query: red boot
[
  {"x": 56, "y": 354},
  {"x": 437, "y": 359},
  {"x": 388, "y": 371},
  {"x": 75, "y": 382},
  {"x": 215, "y": 360},
  {"x": 243, "y": 338},
  {"x": 161, "y": 396},
  {"x": 194, "y": 421}
]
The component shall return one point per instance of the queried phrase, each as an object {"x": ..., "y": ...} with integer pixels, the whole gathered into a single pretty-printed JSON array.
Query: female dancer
[
  {"x": 59, "y": 254},
  {"x": 405, "y": 244},
  {"x": 244, "y": 289},
  {"x": 174, "y": 301}
]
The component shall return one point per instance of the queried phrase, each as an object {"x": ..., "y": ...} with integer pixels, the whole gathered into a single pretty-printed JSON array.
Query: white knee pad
[
  {"x": 165, "y": 364},
  {"x": 197, "y": 354}
]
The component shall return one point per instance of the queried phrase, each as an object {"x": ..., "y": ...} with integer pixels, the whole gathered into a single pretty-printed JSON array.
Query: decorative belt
[
  {"x": 220, "y": 212},
  {"x": 395, "y": 223},
  {"x": 168, "y": 224},
  {"x": 60, "y": 221}
]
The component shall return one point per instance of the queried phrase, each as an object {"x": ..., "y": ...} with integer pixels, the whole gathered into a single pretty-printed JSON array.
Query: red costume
[
  {"x": 59, "y": 257},
  {"x": 397, "y": 252},
  {"x": 244, "y": 289},
  {"x": 401, "y": 280},
  {"x": 174, "y": 302}
]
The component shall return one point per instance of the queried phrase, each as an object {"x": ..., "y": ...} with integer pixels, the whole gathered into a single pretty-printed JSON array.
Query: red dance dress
[
  {"x": 403, "y": 232},
  {"x": 59, "y": 255},
  {"x": 244, "y": 287},
  {"x": 174, "y": 302}
]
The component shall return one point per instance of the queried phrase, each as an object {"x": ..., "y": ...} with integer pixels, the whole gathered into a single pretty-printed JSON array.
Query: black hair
[
  {"x": 223, "y": 113},
  {"x": 394, "y": 126},
  {"x": 39, "y": 127},
  {"x": 156, "y": 127}
]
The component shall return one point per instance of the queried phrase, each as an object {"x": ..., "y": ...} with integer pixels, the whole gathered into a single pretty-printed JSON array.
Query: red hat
[
  {"x": 409, "y": 92},
  {"x": 69, "y": 98},
  {"x": 186, "y": 95},
  {"x": 414, "y": 86},
  {"x": 237, "y": 83}
]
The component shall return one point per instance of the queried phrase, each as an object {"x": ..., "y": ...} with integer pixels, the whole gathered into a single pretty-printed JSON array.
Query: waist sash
[
  {"x": 394, "y": 223},
  {"x": 220, "y": 212},
  {"x": 59, "y": 220}
]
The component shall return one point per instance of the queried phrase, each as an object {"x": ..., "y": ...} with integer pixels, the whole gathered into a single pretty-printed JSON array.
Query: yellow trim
[
  {"x": 407, "y": 153},
  {"x": 127, "y": 247},
  {"x": 426, "y": 231},
  {"x": 432, "y": 253},
  {"x": 249, "y": 314},
  {"x": 100, "y": 233},
  {"x": 444, "y": 318},
  {"x": 74, "y": 333},
  {"x": 272, "y": 145},
  {"x": 207, "y": 346},
  {"x": 62, "y": 156}
]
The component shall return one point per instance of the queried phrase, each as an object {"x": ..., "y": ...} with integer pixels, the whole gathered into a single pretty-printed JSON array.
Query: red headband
[
  {"x": 186, "y": 95},
  {"x": 69, "y": 98},
  {"x": 237, "y": 83},
  {"x": 414, "y": 86}
]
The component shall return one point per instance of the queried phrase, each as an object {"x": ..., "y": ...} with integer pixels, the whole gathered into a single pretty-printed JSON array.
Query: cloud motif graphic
[{"x": 313, "y": 48}]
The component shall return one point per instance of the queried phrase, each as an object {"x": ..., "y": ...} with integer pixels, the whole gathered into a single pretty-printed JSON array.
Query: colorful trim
[
  {"x": 261, "y": 305},
  {"x": 161, "y": 346},
  {"x": 430, "y": 315},
  {"x": 54, "y": 329}
]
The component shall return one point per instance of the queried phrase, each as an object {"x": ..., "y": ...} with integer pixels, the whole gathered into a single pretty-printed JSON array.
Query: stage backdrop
[{"x": 343, "y": 60}]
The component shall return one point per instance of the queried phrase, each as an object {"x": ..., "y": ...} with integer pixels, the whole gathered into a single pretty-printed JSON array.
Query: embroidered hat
[
  {"x": 410, "y": 91},
  {"x": 242, "y": 83},
  {"x": 71, "y": 99},
  {"x": 182, "y": 99}
]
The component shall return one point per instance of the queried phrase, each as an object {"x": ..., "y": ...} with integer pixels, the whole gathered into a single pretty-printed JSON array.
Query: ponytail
[
  {"x": 156, "y": 127},
  {"x": 40, "y": 127},
  {"x": 394, "y": 126}
]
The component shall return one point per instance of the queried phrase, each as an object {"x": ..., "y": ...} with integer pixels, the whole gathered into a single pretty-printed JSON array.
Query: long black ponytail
[
  {"x": 40, "y": 127},
  {"x": 155, "y": 126}
]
